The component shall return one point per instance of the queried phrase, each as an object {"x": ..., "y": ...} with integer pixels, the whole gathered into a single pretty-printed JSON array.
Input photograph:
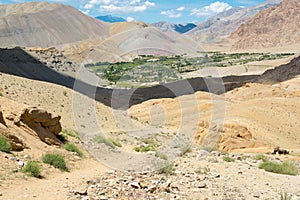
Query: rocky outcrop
[
  {"x": 2, "y": 121},
  {"x": 45, "y": 125}
]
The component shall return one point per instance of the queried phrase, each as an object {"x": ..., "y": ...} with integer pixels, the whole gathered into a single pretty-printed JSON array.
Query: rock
[
  {"x": 256, "y": 195},
  {"x": 80, "y": 191},
  {"x": 85, "y": 198},
  {"x": 143, "y": 184},
  {"x": 135, "y": 185},
  {"x": 45, "y": 125},
  {"x": 175, "y": 186},
  {"x": 2, "y": 121},
  {"x": 152, "y": 189},
  {"x": 202, "y": 185},
  {"x": 201, "y": 153},
  {"x": 26, "y": 156},
  {"x": 20, "y": 164},
  {"x": 1, "y": 194}
]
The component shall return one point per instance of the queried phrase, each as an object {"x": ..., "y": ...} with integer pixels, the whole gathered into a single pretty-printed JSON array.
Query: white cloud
[
  {"x": 182, "y": 8},
  {"x": 130, "y": 19},
  {"x": 171, "y": 13},
  {"x": 124, "y": 6},
  {"x": 214, "y": 8}
]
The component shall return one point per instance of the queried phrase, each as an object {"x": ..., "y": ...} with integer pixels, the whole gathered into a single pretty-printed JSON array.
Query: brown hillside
[
  {"x": 274, "y": 27},
  {"x": 46, "y": 24}
]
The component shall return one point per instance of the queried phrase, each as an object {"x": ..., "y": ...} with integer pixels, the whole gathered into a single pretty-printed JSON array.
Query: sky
[{"x": 150, "y": 11}]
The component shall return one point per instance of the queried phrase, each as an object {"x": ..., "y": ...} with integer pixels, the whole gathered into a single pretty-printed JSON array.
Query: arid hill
[
  {"x": 225, "y": 23},
  {"x": 42, "y": 24},
  {"x": 274, "y": 27}
]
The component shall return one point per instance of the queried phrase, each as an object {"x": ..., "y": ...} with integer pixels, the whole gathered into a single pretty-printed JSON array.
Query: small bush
[
  {"x": 56, "y": 160},
  {"x": 166, "y": 168},
  {"x": 185, "y": 149},
  {"x": 73, "y": 148},
  {"x": 285, "y": 196},
  {"x": 33, "y": 168},
  {"x": 288, "y": 168},
  {"x": 4, "y": 145},
  {"x": 107, "y": 141},
  {"x": 144, "y": 149},
  {"x": 261, "y": 157},
  {"x": 70, "y": 133},
  {"x": 1, "y": 94},
  {"x": 228, "y": 159}
]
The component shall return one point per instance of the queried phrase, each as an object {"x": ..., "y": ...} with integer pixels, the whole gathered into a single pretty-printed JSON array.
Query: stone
[
  {"x": 135, "y": 185},
  {"x": 202, "y": 185},
  {"x": 143, "y": 184},
  {"x": 2, "y": 121},
  {"x": 152, "y": 189}
]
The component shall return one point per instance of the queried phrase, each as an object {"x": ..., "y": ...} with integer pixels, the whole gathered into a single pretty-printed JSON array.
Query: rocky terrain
[{"x": 273, "y": 27}]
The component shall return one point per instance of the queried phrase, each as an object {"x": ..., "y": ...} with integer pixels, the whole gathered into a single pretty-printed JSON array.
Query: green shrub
[
  {"x": 288, "y": 168},
  {"x": 285, "y": 196},
  {"x": 261, "y": 157},
  {"x": 4, "y": 145},
  {"x": 108, "y": 141},
  {"x": 73, "y": 148},
  {"x": 1, "y": 94},
  {"x": 56, "y": 160},
  {"x": 70, "y": 133},
  {"x": 166, "y": 168},
  {"x": 33, "y": 168},
  {"x": 228, "y": 159},
  {"x": 185, "y": 149},
  {"x": 144, "y": 148}
]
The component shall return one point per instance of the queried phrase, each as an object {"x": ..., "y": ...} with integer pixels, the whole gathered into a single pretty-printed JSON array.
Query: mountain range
[
  {"x": 225, "y": 23},
  {"x": 179, "y": 28},
  {"x": 111, "y": 19}
]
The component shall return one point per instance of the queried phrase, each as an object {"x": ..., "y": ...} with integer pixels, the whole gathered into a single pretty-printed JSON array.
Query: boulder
[{"x": 44, "y": 124}]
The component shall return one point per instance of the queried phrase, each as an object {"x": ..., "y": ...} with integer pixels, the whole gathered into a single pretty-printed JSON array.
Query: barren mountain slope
[
  {"x": 274, "y": 27},
  {"x": 45, "y": 24},
  {"x": 227, "y": 22}
]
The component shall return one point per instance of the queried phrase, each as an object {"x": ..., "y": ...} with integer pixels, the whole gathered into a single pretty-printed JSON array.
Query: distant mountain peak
[
  {"x": 111, "y": 19},
  {"x": 170, "y": 27}
]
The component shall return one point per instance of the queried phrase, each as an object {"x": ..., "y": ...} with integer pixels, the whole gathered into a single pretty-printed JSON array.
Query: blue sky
[{"x": 176, "y": 11}]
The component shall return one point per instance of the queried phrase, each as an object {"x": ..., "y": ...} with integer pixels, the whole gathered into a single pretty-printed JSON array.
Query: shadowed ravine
[{"x": 18, "y": 62}]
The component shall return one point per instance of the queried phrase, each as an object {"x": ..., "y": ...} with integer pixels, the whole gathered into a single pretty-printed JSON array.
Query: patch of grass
[
  {"x": 202, "y": 170},
  {"x": 1, "y": 95},
  {"x": 166, "y": 168},
  {"x": 228, "y": 159},
  {"x": 70, "y": 133},
  {"x": 209, "y": 148},
  {"x": 73, "y": 148},
  {"x": 161, "y": 155},
  {"x": 108, "y": 141},
  {"x": 4, "y": 145},
  {"x": 56, "y": 160},
  {"x": 285, "y": 196},
  {"x": 261, "y": 157},
  {"x": 33, "y": 168},
  {"x": 286, "y": 167},
  {"x": 185, "y": 149},
  {"x": 144, "y": 149}
]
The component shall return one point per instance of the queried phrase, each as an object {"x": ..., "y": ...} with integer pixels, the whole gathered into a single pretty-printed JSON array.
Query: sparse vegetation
[
  {"x": 70, "y": 133},
  {"x": 161, "y": 155},
  {"x": 286, "y": 167},
  {"x": 56, "y": 160},
  {"x": 185, "y": 149},
  {"x": 4, "y": 145},
  {"x": 209, "y": 148},
  {"x": 285, "y": 196},
  {"x": 1, "y": 94},
  {"x": 202, "y": 170},
  {"x": 166, "y": 168},
  {"x": 113, "y": 143},
  {"x": 261, "y": 157},
  {"x": 73, "y": 148},
  {"x": 33, "y": 168},
  {"x": 228, "y": 159},
  {"x": 144, "y": 148}
]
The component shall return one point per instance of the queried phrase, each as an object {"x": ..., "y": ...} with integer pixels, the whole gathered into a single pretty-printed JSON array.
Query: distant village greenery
[{"x": 150, "y": 69}]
